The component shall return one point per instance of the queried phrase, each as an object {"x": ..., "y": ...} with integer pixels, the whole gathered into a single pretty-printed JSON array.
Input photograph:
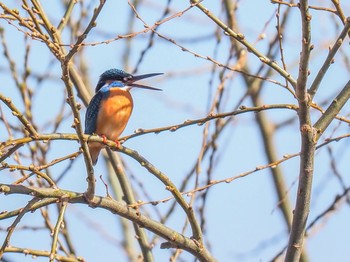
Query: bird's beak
[{"x": 131, "y": 81}]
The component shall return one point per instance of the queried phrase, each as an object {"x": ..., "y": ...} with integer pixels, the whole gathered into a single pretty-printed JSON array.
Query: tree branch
[
  {"x": 177, "y": 240},
  {"x": 308, "y": 143}
]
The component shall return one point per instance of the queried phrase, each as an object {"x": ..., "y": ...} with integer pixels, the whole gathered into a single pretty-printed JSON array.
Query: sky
[{"x": 243, "y": 222}]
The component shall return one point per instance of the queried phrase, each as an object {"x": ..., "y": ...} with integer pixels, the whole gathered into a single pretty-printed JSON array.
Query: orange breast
[{"x": 114, "y": 113}]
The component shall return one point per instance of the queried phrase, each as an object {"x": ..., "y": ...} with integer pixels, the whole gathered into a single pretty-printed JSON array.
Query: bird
[{"x": 110, "y": 108}]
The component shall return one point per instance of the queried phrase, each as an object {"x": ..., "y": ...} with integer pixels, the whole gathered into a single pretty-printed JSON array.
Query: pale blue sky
[{"x": 242, "y": 223}]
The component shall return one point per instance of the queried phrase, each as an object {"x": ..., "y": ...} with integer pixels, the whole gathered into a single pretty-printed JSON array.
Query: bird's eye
[{"x": 127, "y": 78}]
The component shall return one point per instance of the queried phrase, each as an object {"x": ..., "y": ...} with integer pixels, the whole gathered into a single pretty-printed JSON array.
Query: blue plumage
[
  {"x": 91, "y": 113},
  {"x": 112, "y": 75}
]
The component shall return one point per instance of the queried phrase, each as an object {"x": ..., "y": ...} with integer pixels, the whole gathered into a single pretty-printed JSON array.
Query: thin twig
[
  {"x": 81, "y": 38},
  {"x": 27, "y": 125},
  {"x": 41, "y": 253},
  {"x": 11, "y": 229},
  {"x": 241, "y": 38},
  {"x": 56, "y": 231},
  {"x": 329, "y": 59}
]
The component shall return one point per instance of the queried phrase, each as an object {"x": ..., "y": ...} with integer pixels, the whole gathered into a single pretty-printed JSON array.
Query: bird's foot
[
  {"x": 104, "y": 139},
  {"x": 117, "y": 143}
]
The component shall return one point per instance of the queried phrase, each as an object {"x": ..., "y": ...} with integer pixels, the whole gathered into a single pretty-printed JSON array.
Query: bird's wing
[
  {"x": 92, "y": 112},
  {"x": 94, "y": 106}
]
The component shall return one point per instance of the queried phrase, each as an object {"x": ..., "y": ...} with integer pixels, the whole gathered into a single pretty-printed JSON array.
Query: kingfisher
[{"x": 110, "y": 108}]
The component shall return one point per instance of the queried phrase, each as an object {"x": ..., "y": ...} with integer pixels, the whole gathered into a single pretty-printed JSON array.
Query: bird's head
[{"x": 124, "y": 79}]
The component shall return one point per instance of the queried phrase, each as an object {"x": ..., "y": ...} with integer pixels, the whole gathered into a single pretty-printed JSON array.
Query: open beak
[{"x": 131, "y": 81}]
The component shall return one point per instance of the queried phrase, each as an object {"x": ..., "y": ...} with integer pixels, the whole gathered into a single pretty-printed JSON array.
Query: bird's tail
[{"x": 94, "y": 149}]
